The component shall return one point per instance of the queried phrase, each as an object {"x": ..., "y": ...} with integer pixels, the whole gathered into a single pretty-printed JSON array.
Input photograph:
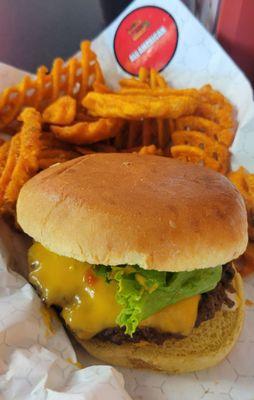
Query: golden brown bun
[
  {"x": 206, "y": 346},
  {"x": 152, "y": 211}
]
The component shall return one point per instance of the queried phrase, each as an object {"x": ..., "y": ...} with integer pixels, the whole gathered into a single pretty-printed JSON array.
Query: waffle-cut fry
[
  {"x": 61, "y": 112},
  {"x": 198, "y": 139},
  {"x": 213, "y": 96},
  {"x": 250, "y": 215},
  {"x": 161, "y": 133},
  {"x": 244, "y": 181},
  {"x": 53, "y": 153},
  {"x": 99, "y": 77},
  {"x": 4, "y": 150},
  {"x": 120, "y": 139},
  {"x": 88, "y": 132},
  {"x": 211, "y": 148},
  {"x": 101, "y": 88},
  {"x": 150, "y": 82},
  {"x": 136, "y": 107},
  {"x": 161, "y": 82},
  {"x": 56, "y": 78},
  {"x": 245, "y": 263},
  {"x": 85, "y": 62},
  {"x": 17, "y": 101},
  {"x": 143, "y": 74},
  {"x": 238, "y": 178},
  {"x": 171, "y": 126},
  {"x": 40, "y": 88},
  {"x": 134, "y": 130},
  {"x": 8, "y": 169},
  {"x": 150, "y": 150},
  {"x": 159, "y": 92},
  {"x": 49, "y": 141},
  {"x": 58, "y": 153},
  {"x": 194, "y": 155},
  {"x": 64, "y": 78},
  {"x": 187, "y": 153},
  {"x": 145, "y": 150},
  {"x": 249, "y": 179},
  {"x": 83, "y": 117},
  {"x": 217, "y": 107},
  {"x": 146, "y": 132},
  {"x": 49, "y": 157},
  {"x": 221, "y": 116},
  {"x": 133, "y": 83},
  {"x": 159, "y": 121},
  {"x": 27, "y": 162},
  {"x": 206, "y": 126},
  {"x": 153, "y": 78},
  {"x": 73, "y": 66},
  {"x": 156, "y": 82}
]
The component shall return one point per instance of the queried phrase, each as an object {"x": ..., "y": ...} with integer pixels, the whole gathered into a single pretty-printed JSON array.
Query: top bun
[{"x": 152, "y": 211}]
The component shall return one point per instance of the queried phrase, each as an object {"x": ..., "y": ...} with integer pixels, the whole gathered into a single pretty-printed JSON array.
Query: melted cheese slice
[{"x": 88, "y": 302}]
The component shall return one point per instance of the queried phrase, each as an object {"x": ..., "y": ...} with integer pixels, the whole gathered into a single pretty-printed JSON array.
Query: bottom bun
[{"x": 206, "y": 346}]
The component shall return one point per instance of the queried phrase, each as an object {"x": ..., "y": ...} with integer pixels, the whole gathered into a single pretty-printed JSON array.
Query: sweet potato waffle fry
[
  {"x": 132, "y": 84},
  {"x": 7, "y": 169},
  {"x": 211, "y": 148},
  {"x": 74, "y": 78},
  {"x": 244, "y": 181},
  {"x": 21, "y": 159},
  {"x": 155, "y": 84},
  {"x": 216, "y": 107},
  {"x": 4, "y": 150},
  {"x": 54, "y": 151},
  {"x": 49, "y": 141},
  {"x": 222, "y": 117},
  {"x": 160, "y": 91},
  {"x": 51, "y": 157},
  {"x": 145, "y": 150},
  {"x": 88, "y": 132},
  {"x": 150, "y": 150},
  {"x": 61, "y": 112},
  {"x": 214, "y": 97},
  {"x": 195, "y": 155},
  {"x": 109, "y": 105},
  {"x": 147, "y": 130},
  {"x": 210, "y": 128}
]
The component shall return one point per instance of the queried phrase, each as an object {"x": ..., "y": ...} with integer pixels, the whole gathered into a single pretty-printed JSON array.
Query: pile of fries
[{"x": 70, "y": 111}]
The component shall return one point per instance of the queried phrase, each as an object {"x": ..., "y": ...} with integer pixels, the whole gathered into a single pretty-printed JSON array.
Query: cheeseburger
[{"x": 136, "y": 254}]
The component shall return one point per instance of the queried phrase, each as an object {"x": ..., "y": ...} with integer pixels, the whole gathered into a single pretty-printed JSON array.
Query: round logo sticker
[{"x": 146, "y": 37}]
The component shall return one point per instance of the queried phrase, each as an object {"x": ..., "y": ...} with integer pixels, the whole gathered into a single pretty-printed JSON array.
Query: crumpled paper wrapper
[{"x": 37, "y": 359}]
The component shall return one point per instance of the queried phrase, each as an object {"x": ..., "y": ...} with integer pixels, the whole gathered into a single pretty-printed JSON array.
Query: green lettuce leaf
[{"x": 143, "y": 293}]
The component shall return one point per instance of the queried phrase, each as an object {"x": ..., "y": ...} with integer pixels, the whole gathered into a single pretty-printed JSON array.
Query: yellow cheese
[
  {"x": 175, "y": 318},
  {"x": 88, "y": 302}
]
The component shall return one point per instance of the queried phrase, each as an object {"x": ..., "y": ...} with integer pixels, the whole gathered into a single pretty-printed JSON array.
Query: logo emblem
[{"x": 146, "y": 37}]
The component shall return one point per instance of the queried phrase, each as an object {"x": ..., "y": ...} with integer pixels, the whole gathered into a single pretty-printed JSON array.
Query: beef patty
[{"x": 210, "y": 302}]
